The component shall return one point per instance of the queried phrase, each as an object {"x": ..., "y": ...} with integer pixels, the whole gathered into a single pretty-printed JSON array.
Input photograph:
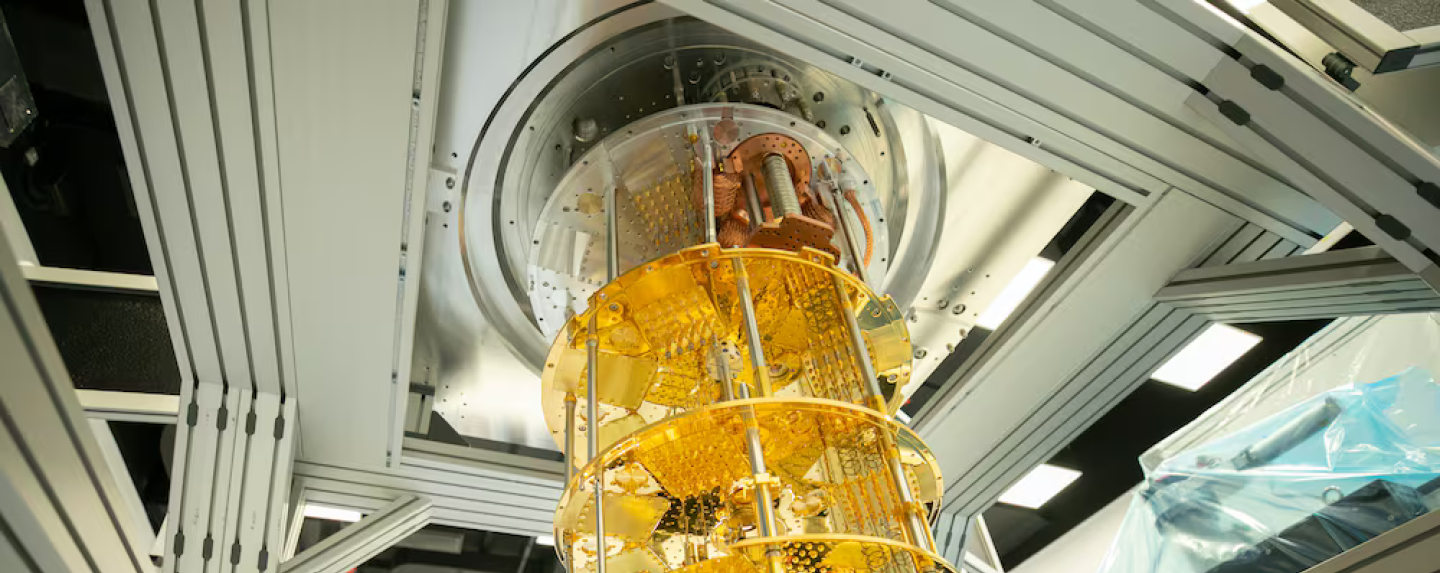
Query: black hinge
[
  {"x": 1234, "y": 112},
  {"x": 223, "y": 419},
  {"x": 1393, "y": 227},
  {"x": 1430, "y": 192},
  {"x": 250, "y": 424},
  {"x": 279, "y": 427},
  {"x": 235, "y": 553},
  {"x": 192, "y": 414},
  {"x": 207, "y": 549},
  {"x": 1267, "y": 77},
  {"x": 264, "y": 557},
  {"x": 179, "y": 543}
]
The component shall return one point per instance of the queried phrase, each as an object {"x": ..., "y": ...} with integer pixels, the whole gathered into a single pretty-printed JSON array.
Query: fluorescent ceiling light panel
[
  {"x": 331, "y": 513},
  {"x": 1214, "y": 350},
  {"x": 1015, "y": 293},
  {"x": 1038, "y": 486},
  {"x": 1246, "y": 5},
  {"x": 548, "y": 540}
]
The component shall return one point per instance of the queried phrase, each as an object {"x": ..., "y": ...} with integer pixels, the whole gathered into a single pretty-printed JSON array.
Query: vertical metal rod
[
  {"x": 569, "y": 465},
  {"x": 916, "y": 529},
  {"x": 850, "y": 241},
  {"x": 612, "y": 233},
  {"x": 757, "y": 212},
  {"x": 752, "y": 328},
  {"x": 722, "y": 372},
  {"x": 708, "y": 180},
  {"x": 569, "y": 436},
  {"x": 592, "y": 437}
]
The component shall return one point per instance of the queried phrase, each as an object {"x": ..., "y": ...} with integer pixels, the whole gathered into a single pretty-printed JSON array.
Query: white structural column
[
  {"x": 358, "y": 542},
  {"x": 61, "y": 509},
  {"x": 193, "y": 129}
]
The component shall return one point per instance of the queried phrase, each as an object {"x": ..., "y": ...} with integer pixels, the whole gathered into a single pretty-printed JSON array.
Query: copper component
[
  {"x": 814, "y": 210},
  {"x": 749, "y": 156},
  {"x": 734, "y": 232},
  {"x": 727, "y": 190},
  {"x": 795, "y": 232}
]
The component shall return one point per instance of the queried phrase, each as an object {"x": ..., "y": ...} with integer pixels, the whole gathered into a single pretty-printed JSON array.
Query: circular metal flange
[
  {"x": 611, "y": 72},
  {"x": 650, "y": 163}
]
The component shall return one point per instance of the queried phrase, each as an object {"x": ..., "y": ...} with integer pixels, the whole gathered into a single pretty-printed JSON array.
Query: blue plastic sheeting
[{"x": 1292, "y": 490}]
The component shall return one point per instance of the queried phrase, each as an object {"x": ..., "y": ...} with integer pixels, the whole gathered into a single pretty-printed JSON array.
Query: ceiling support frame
[
  {"x": 1351, "y": 282},
  {"x": 61, "y": 508},
  {"x": 197, "y": 138},
  {"x": 352, "y": 546}
]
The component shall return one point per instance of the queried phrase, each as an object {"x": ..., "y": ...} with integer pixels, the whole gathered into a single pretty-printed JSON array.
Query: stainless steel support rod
[
  {"x": 851, "y": 242},
  {"x": 592, "y": 438},
  {"x": 707, "y": 178},
  {"x": 612, "y": 233},
  {"x": 757, "y": 213},
  {"x": 916, "y": 528},
  {"x": 569, "y": 436},
  {"x": 752, "y": 328}
]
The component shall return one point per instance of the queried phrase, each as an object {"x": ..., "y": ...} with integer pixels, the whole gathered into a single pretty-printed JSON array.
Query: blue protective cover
[{"x": 1293, "y": 489}]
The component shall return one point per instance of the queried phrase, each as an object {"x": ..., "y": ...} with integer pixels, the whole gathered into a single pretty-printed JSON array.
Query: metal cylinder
[
  {"x": 752, "y": 328},
  {"x": 707, "y": 162},
  {"x": 592, "y": 438},
  {"x": 782, "y": 189},
  {"x": 852, "y": 245},
  {"x": 916, "y": 529}
]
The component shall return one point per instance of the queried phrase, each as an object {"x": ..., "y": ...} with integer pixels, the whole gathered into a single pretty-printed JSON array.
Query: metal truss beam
[
  {"x": 1145, "y": 100},
  {"x": 130, "y": 406},
  {"x": 1325, "y": 285},
  {"x": 180, "y": 77},
  {"x": 472, "y": 489},
  {"x": 61, "y": 508},
  {"x": 352, "y": 546}
]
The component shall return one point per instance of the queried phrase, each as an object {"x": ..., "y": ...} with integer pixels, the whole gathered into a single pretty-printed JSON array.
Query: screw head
[
  {"x": 942, "y": 303},
  {"x": 920, "y": 353},
  {"x": 446, "y": 206}
]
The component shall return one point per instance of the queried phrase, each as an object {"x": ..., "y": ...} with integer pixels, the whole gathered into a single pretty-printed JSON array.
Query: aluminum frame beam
[
  {"x": 470, "y": 488},
  {"x": 1351, "y": 282},
  {"x": 61, "y": 508},
  {"x": 129, "y": 406},
  {"x": 192, "y": 131},
  {"x": 352, "y": 546}
]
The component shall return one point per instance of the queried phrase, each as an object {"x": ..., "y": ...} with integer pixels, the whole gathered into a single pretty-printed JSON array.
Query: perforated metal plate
[{"x": 650, "y": 163}]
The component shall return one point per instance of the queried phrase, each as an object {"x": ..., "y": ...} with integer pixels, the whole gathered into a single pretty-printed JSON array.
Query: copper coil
[
  {"x": 726, "y": 188},
  {"x": 814, "y": 210},
  {"x": 733, "y": 232}
]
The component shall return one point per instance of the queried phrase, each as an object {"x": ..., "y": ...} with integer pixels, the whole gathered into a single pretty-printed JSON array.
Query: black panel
[
  {"x": 111, "y": 341},
  {"x": 65, "y": 171}
]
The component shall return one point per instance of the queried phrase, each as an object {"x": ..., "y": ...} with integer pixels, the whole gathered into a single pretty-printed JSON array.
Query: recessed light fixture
[
  {"x": 1014, "y": 293},
  {"x": 1038, "y": 486},
  {"x": 1246, "y": 5},
  {"x": 1211, "y": 352},
  {"x": 545, "y": 540},
  {"x": 332, "y": 513}
]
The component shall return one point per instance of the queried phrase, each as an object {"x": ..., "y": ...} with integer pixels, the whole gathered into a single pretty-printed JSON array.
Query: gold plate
[
  {"x": 658, "y": 326},
  {"x": 828, "y": 460}
]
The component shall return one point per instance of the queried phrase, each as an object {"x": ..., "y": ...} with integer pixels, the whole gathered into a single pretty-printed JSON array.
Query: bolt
[
  {"x": 819, "y": 96},
  {"x": 942, "y": 303},
  {"x": 446, "y": 206},
  {"x": 920, "y": 353},
  {"x": 449, "y": 182},
  {"x": 958, "y": 310},
  {"x": 844, "y": 130}
]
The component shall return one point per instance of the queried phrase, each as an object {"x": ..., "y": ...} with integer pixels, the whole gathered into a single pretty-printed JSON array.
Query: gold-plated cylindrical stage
[{"x": 738, "y": 418}]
